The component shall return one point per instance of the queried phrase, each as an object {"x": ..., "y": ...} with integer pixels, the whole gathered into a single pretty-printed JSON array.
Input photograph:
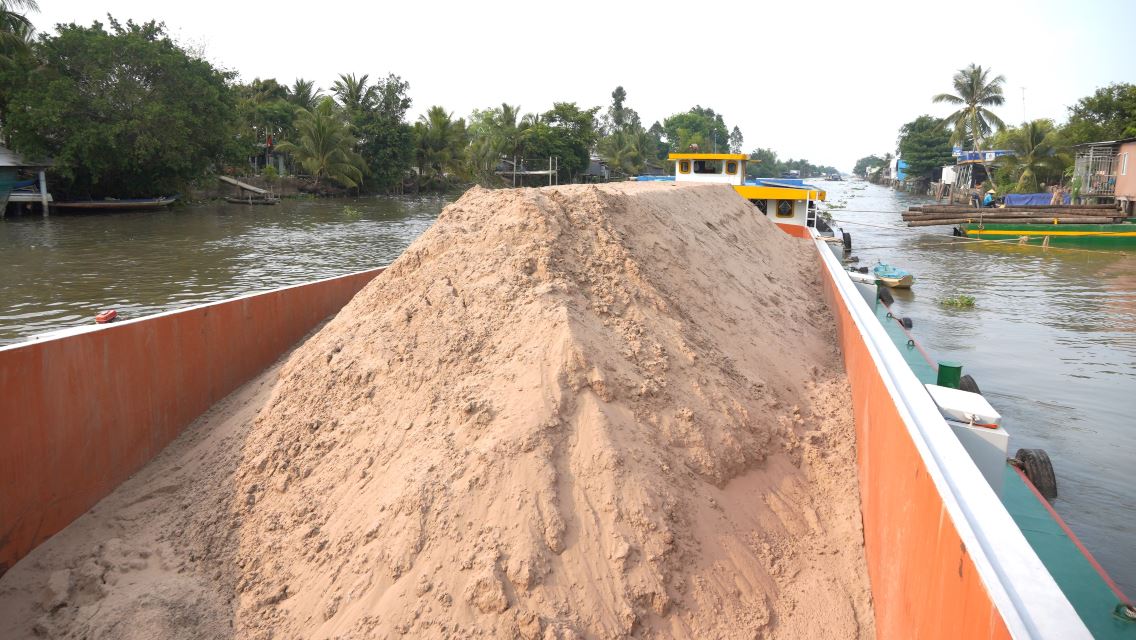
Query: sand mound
[
  {"x": 565, "y": 412},
  {"x": 571, "y": 412}
]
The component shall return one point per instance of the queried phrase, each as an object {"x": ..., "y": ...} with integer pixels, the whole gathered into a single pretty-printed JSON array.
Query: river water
[
  {"x": 62, "y": 270},
  {"x": 1051, "y": 342}
]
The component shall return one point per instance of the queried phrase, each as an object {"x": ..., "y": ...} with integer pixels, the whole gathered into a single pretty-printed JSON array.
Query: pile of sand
[{"x": 570, "y": 412}]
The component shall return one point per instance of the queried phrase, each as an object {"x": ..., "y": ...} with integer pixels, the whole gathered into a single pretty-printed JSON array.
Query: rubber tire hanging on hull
[
  {"x": 847, "y": 238},
  {"x": 1037, "y": 467},
  {"x": 967, "y": 383},
  {"x": 884, "y": 294}
]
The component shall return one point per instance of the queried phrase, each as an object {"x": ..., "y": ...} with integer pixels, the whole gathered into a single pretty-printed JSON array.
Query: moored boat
[
  {"x": 250, "y": 200},
  {"x": 1117, "y": 234},
  {"x": 893, "y": 277},
  {"x": 130, "y": 204}
]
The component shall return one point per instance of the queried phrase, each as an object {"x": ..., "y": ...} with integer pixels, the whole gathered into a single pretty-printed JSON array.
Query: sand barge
[{"x": 569, "y": 412}]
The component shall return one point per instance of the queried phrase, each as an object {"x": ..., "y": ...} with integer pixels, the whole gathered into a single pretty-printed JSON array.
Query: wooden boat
[
  {"x": 110, "y": 204},
  {"x": 266, "y": 200},
  {"x": 893, "y": 277},
  {"x": 1120, "y": 234}
]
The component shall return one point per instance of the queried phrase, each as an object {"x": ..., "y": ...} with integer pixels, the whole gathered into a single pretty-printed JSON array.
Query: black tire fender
[
  {"x": 1036, "y": 465},
  {"x": 967, "y": 383}
]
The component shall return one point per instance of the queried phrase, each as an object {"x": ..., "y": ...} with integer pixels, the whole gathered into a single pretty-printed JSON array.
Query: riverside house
[{"x": 1106, "y": 172}]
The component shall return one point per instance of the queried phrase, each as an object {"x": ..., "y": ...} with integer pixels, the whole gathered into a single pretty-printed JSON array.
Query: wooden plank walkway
[{"x": 242, "y": 185}]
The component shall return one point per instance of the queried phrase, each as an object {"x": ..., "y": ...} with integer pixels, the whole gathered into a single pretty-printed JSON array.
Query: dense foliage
[
  {"x": 699, "y": 126},
  {"x": 1042, "y": 150},
  {"x": 925, "y": 146},
  {"x": 123, "y": 112},
  {"x": 1108, "y": 114},
  {"x": 764, "y": 163},
  {"x": 865, "y": 163}
]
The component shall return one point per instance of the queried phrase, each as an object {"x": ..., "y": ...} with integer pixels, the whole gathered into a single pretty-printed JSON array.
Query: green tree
[
  {"x": 440, "y": 147},
  {"x": 496, "y": 132},
  {"x": 325, "y": 147},
  {"x": 1036, "y": 157},
  {"x": 386, "y": 140},
  {"x": 16, "y": 60},
  {"x": 567, "y": 132},
  {"x": 16, "y": 29},
  {"x": 626, "y": 147},
  {"x": 865, "y": 163},
  {"x": 974, "y": 91},
  {"x": 1108, "y": 114},
  {"x": 925, "y": 146},
  {"x": 736, "y": 140},
  {"x": 628, "y": 150},
  {"x": 304, "y": 94},
  {"x": 124, "y": 112},
  {"x": 763, "y": 164},
  {"x": 700, "y": 126},
  {"x": 355, "y": 94}
]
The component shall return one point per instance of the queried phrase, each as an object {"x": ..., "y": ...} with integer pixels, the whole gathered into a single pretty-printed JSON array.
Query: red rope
[{"x": 1072, "y": 536}]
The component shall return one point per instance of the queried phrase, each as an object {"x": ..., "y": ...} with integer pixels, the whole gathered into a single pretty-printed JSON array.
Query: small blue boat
[{"x": 893, "y": 277}]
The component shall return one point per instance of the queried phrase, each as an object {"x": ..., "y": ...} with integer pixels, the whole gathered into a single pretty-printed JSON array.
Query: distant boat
[
  {"x": 111, "y": 204},
  {"x": 252, "y": 200},
  {"x": 893, "y": 277}
]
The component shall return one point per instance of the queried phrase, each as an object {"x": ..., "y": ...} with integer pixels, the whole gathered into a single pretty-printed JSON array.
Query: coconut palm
[
  {"x": 304, "y": 94},
  {"x": 626, "y": 150},
  {"x": 499, "y": 131},
  {"x": 354, "y": 93},
  {"x": 974, "y": 91},
  {"x": 1035, "y": 154},
  {"x": 15, "y": 27},
  {"x": 325, "y": 146},
  {"x": 440, "y": 146}
]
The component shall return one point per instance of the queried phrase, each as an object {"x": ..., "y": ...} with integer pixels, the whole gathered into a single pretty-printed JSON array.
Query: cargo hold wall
[
  {"x": 79, "y": 414},
  {"x": 945, "y": 558}
]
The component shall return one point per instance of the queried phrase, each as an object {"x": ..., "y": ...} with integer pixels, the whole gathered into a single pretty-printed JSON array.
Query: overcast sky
[{"x": 828, "y": 81}]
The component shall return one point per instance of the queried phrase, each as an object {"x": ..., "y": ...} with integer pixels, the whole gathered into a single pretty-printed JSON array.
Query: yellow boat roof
[{"x": 707, "y": 156}]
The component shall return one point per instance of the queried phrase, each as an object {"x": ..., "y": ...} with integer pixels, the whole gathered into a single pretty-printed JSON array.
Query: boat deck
[{"x": 1088, "y": 588}]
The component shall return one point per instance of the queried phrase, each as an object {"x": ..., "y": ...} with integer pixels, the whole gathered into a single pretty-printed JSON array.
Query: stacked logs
[{"x": 936, "y": 214}]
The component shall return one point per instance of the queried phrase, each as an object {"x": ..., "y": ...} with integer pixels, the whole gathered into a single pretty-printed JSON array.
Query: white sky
[{"x": 828, "y": 81}]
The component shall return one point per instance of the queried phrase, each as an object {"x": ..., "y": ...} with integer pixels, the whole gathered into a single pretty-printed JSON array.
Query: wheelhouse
[{"x": 789, "y": 201}]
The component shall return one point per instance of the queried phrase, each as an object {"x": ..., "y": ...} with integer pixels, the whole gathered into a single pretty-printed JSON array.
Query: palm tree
[
  {"x": 499, "y": 131},
  {"x": 15, "y": 28},
  {"x": 626, "y": 150},
  {"x": 354, "y": 93},
  {"x": 305, "y": 94},
  {"x": 974, "y": 91},
  {"x": 326, "y": 147},
  {"x": 1035, "y": 154},
  {"x": 440, "y": 146}
]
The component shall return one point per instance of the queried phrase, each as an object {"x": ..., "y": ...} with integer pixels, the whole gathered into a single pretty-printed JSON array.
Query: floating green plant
[
  {"x": 351, "y": 212},
  {"x": 958, "y": 302}
]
